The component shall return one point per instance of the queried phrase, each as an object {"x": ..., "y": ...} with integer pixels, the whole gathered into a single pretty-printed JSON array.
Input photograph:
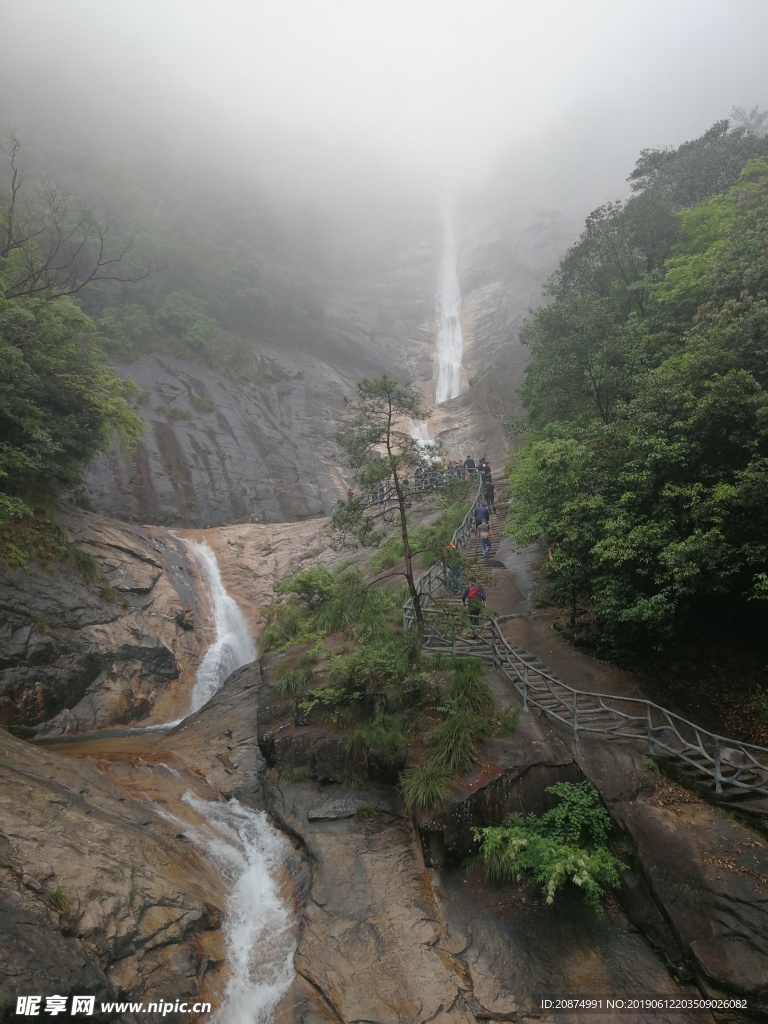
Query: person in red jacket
[{"x": 474, "y": 599}]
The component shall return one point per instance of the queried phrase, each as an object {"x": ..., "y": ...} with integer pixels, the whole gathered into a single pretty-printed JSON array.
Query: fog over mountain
[{"x": 429, "y": 91}]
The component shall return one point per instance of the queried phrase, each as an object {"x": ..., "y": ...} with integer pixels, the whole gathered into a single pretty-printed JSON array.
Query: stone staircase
[{"x": 737, "y": 772}]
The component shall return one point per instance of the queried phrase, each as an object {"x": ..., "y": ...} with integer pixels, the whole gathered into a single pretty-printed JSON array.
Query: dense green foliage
[
  {"x": 206, "y": 269},
  {"x": 647, "y": 464},
  {"x": 59, "y": 400},
  {"x": 368, "y": 679},
  {"x": 567, "y": 843}
]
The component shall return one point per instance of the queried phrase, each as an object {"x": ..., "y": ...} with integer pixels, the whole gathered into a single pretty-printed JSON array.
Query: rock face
[
  {"x": 499, "y": 282},
  {"x": 80, "y": 655},
  {"x": 513, "y": 776},
  {"x": 217, "y": 452},
  {"x": 704, "y": 872},
  {"x": 373, "y": 947},
  {"x": 99, "y": 895}
]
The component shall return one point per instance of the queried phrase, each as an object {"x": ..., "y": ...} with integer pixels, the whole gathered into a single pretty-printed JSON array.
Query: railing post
[
  {"x": 575, "y": 716},
  {"x": 649, "y": 723},
  {"x": 525, "y": 689},
  {"x": 718, "y": 772}
]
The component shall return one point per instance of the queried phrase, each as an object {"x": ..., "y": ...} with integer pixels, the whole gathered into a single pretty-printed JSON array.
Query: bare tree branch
[{"x": 60, "y": 246}]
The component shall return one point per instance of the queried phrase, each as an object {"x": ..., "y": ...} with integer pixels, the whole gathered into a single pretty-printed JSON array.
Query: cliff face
[
  {"x": 500, "y": 280},
  {"x": 80, "y": 655},
  {"x": 217, "y": 452}
]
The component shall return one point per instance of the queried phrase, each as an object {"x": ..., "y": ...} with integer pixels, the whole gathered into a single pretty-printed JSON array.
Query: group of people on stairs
[{"x": 473, "y": 595}]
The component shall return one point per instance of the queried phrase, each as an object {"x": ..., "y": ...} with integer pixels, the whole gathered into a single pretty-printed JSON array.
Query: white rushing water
[
  {"x": 250, "y": 853},
  {"x": 232, "y": 645},
  {"x": 420, "y": 432},
  {"x": 449, "y": 338}
]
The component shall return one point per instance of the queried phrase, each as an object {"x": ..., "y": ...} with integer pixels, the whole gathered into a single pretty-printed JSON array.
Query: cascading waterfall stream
[
  {"x": 250, "y": 854},
  {"x": 449, "y": 337},
  {"x": 420, "y": 433},
  {"x": 247, "y": 849},
  {"x": 232, "y": 645}
]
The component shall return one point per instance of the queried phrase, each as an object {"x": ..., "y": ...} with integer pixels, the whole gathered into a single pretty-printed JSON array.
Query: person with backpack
[
  {"x": 480, "y": 515},
  {"x": 489, "y": 493},
  {"x": 474, "y": 599},
  {"x": 484, "y": 535}
]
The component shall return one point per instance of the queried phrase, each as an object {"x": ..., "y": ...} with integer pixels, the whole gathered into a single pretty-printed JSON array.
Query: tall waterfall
[
  {"x": 449, "y": 339},
  {"x": 250, "y": 854},
  {"x": 232, "y": 645}
]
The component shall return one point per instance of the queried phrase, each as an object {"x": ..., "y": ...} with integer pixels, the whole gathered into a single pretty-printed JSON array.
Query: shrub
[
  {"x": 470, "y": 690},
  {"x": 453, "y": 743},
  {"x": 202, "y": 403},
  {"x": 364, "y": 812},
  {"x": 566, "y": 843},
  {"x": 508, "y": 721},
  {"x": 290, "y": 681},
  {"x": 60, "y": 899},
  {"x": 426, "y": 787},
  {"x": 383, "y": 738},
  {"x": 290, "y": 772},
  {"x": 332, "y": 701},
  {"x": 40, "y": 625},
  {"x": 85, "y": 564}
]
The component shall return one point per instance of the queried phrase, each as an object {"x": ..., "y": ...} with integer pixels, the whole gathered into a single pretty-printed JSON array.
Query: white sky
[{"x": 431, "y": 84}]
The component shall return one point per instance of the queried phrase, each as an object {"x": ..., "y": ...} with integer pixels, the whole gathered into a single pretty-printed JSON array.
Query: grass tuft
[{"x": 425, "y": 787}]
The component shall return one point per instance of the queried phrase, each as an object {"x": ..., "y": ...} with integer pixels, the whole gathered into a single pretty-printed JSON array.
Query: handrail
[
  {"x": 433, "y": 579},
  {"x": 724, "y": 760}
]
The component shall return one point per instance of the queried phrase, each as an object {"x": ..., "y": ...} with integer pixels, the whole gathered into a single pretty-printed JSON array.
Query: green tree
[
  {"x": 383, "y": 456},
  {"x": 59, "y": 400},
  {"x": 647, "y": 473}
]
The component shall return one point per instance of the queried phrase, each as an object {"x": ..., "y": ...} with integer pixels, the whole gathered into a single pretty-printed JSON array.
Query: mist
[{"x": 338, "y": 100}]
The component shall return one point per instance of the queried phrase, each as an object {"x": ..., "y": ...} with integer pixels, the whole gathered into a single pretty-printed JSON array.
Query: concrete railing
[
  {"x": 430, "y": 582},
  {"x": 725, "y": 761}
]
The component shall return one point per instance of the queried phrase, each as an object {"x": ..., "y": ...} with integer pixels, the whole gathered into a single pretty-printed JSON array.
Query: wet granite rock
[
  {"x": 705, "y": 874},
  {"x": 373, "y": 946},
  {"x": 97, "y": 895},
  {"x": 79, "y": 654}
]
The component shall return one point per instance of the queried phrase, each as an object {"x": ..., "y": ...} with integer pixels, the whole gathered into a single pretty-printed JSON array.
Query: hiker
[
  {"x": 453, "y": 569},
  {"x": 485, "y": 470},
  {"x": 350, "y": 494},
  {"x": 469, "y": 466},
  {"x": 481, "y": 515},
  {"x": 474, "y": 598},
  {"x": 484, "y": 535},
  {"x": 489, "y": 493}
]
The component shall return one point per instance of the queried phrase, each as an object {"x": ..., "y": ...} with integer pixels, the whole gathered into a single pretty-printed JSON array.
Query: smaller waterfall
[
  {"x": 232, "y": 645},
  {"x": 420, "y": 432},
  {"x": 449, "y": 338},
  {"x": 250, "y": 854}
]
